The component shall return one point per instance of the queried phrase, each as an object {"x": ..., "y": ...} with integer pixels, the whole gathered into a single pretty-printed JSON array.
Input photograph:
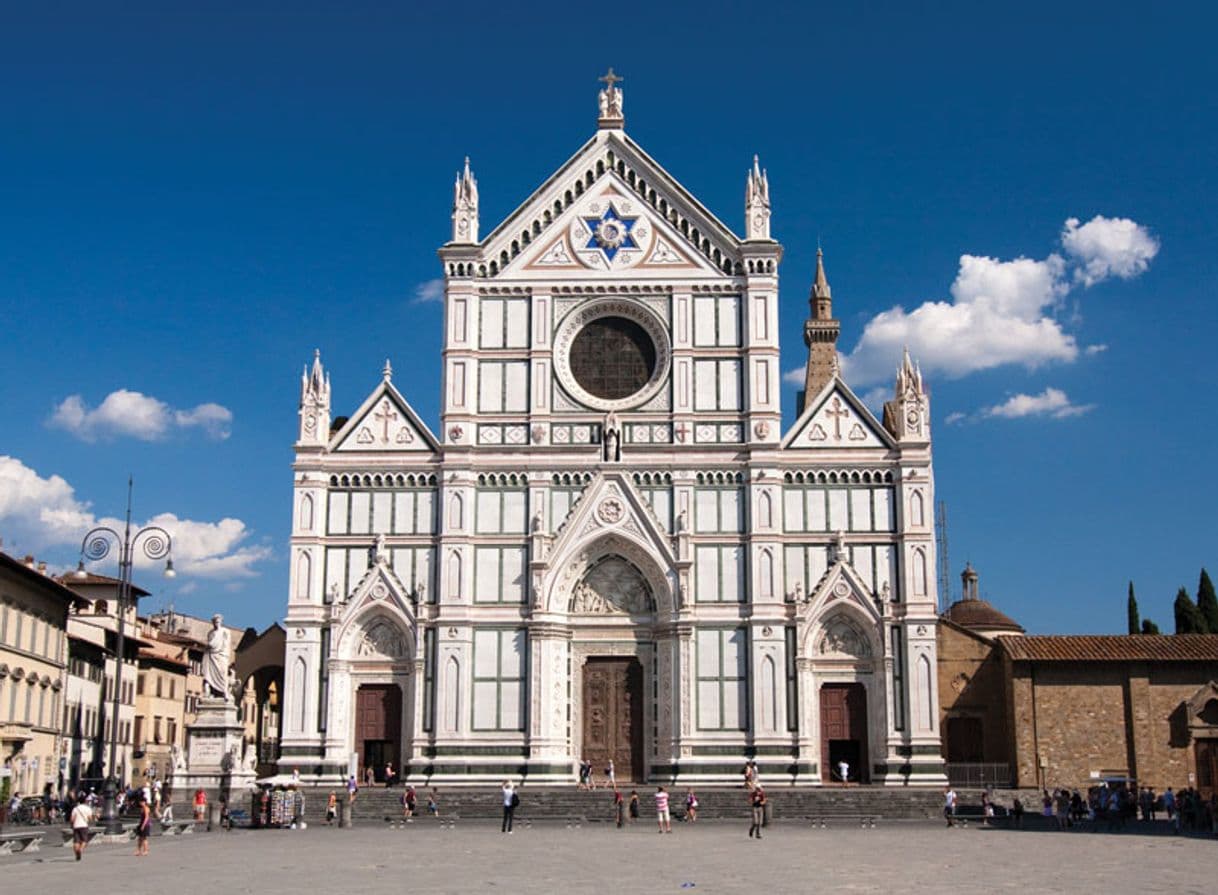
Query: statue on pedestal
[{"x": 216, "y": 662}]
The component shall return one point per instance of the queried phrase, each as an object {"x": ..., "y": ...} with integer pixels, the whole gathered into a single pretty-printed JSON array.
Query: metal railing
[{"x": 979, "y": 773}]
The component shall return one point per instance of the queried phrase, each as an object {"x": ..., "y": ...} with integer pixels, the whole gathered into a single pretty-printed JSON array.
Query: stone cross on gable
[
  {"x": 838, "y": 412},
  {"x": 386, "y": 415},
  {"x": 610, "y": 98}
]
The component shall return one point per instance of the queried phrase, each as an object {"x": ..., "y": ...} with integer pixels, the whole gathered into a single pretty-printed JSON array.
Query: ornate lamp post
[{"x": 155, "y": 543}]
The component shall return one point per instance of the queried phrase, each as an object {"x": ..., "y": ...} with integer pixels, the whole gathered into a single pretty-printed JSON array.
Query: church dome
[{"x": 979, "y": 615}]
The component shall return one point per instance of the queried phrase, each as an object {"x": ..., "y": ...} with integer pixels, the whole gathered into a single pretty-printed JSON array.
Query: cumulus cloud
[
  {"x": 1002, "y": 312},
  {"x": 430, "y": 291},
  {"x": 125, "y": 413},
  {"x": 45, "y": 513},
  {"x": 1052, "y": 402},
  {"x": 1108, "y": 247}
]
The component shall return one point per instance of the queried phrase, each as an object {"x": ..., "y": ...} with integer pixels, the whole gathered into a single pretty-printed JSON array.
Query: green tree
[
  {"x": 1188, "y": 616},
  {"x": 1131, "y": 607},
  {"x": 1149, "y": 627},
  {"x": 1207, "y": 603}
]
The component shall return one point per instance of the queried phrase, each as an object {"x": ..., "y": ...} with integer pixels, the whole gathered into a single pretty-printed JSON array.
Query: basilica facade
[{"x": 611, "y": 549}]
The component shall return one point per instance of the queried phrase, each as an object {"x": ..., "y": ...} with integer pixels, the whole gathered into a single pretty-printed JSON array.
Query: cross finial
[
  {"x": 609, "y": 78},
  {"x": 610, "y": 101}
]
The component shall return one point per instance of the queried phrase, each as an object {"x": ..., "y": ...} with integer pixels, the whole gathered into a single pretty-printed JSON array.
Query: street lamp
[{"x": 155, "y": 543}]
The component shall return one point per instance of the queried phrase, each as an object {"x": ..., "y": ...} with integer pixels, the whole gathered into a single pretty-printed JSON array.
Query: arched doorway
[{"x": 378, "y": 728}]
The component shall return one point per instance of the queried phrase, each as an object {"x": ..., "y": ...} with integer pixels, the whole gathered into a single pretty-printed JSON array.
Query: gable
[
  {"x": 546, "y": 234},
  {"x": 384, "y": 422},
  {"x": 836, "y": 419},
  {"x": 608, "y": 230}
]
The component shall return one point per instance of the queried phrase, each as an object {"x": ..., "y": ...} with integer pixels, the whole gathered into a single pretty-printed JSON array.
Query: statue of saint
[{"x": 215, "y": 663}]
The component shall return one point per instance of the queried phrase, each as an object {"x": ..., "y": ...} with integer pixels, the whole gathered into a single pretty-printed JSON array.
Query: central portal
[
  {"x": 613, "y": 716},
  {"x": 378, "y": 728},
  {"x": 843, "y": 732}
]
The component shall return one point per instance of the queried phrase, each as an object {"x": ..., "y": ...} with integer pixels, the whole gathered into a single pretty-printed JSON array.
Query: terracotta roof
[
  {"x": 47, "y": 583},
  {"x": 1113, "y": 648},
  {"x": 70, "y": 579},
  {"x": 978, "y": 614}
]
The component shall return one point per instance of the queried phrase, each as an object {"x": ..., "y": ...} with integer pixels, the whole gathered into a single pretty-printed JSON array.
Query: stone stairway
[{"x": 545, "y": 803}]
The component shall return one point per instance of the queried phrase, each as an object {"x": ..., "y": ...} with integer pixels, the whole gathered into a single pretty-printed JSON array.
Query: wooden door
[
  {"x": 378, "y": 727},
  {"x": 1207, "y": 767},
  {"x": 613, "y": 717},
  {"x": 843, "y": 731}
]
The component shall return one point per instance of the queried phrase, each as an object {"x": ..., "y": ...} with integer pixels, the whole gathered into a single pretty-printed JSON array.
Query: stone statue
[
  {"x": 379, "y": 553},
  {"x": 215, "y": 663},
  {"x": 249, "y": 759},
  {"x": 535, "y": 525},
  {"x": 612, "y": 439},
  {"x": 178, "y": 760}
]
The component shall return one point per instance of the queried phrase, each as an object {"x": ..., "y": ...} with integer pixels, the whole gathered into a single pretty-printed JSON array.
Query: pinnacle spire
[
  {"x": 757, "y": 202},
  {"x": 820, "y": 333},
  {"x": 465, "y": 206},
  {"x": 387, "y": 371},
  {"x": 820, "y": 287}
]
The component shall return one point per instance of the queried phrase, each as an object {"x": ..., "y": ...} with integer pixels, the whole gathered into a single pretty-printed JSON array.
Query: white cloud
[
  {"x": 45, "y": 513},
  {"x": 1096, "y": 349},
  {"x": 136, "y": 415},
  {"x": 796, "y": 377},
  {"x": 432, "y": 290},
  {"x": 955, "y": 417},
  {"x": 1108, "y": 247},
  {"x": 1052, "y": 402},
  {"x": 1001, "y": 312}
]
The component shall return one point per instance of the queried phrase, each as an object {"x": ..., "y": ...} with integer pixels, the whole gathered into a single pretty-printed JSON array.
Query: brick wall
[{"x": 971, "y": 684}]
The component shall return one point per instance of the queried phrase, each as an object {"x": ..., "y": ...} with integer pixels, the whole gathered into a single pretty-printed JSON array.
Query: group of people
[{"x": 586, "y": 779}]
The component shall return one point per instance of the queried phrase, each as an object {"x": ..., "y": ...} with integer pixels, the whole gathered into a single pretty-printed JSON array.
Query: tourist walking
[
  {"x": 585, "y": 774},
  {"x": 757, "y": 798},
  {"x": 843, "y": 771},
  {"x": 510, "y": 801},
  {"x": 82, "y": 816},
  {"x": 200, "y": 805},
  {"x": 433, "y": 804},
  {"x": 610, "y": 775},
  {"x": 143, "y": 829},
  {"x": 409, "y": 800},
  {"x": 1017, "y": 813},
  {"x": 619, "y": 808},
  {"x": 634, "y": 805},
  {"x": 331, "y": 808},
  {"x": 691, "y": 806},
  {"x": 663, "y": 820},
  {"x": 352, "y": 790},
  {"x": 949, "y": 805},
  {"x": 369, "y": 776},
  {"x": 390, "y": 775}
]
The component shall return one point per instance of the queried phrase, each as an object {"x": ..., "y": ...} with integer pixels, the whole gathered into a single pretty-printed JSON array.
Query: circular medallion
[
  {"x": 612, "y": 354},
  {"x": 610, "y": 510}
]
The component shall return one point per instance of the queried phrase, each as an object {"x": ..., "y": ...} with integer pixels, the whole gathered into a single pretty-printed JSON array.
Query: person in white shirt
[
  {"x": 949, "y": 805},
  {"x": 843, "y": 770},
  {"x": 82, "y": 816}
]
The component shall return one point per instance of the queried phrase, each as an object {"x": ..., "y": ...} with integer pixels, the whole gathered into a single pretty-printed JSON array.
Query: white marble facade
[{"x": 570, "y": 509}]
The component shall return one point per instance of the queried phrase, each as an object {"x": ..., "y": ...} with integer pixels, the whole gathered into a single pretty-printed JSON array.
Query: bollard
[{"x": 344, "y": 815}]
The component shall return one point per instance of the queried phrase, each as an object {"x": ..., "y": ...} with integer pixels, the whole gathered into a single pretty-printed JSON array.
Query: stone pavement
[{"x": 715, "y": 857}]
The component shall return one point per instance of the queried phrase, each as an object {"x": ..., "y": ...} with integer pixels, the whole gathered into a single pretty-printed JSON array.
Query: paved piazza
[{"x": 714, "y": 857}]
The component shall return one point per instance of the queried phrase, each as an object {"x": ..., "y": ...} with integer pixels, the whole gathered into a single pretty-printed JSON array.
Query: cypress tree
[
  {"x": 1149, "y": 627},
  {"x": 1207, "y": 603},
  {"x": 1131, "y": 607},
  {"x": 1188, "y": 616}
]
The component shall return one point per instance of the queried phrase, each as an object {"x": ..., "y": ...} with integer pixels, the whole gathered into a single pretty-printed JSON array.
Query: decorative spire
[
  {"x": 314, "y": 403},
  {"x": 757, "y": 203},
  {"x": 907, "y": 415},
  {"x": 820, "y": 334},
  {"x": 610, "y": 102},
  {"x": 465, "y": 207},
  {"x": 969, "y": 577},
  {"x": 387, "y": 370}
]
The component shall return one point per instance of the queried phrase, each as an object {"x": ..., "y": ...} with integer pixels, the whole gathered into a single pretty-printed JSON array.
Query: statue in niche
[
  {"x": 843, "y": 640},
  {"x": 536, "y": 523},
  {"x": 380, "y": 640},
  {"x": 378, "y": 553},
  {"x": 611, "y": 439},
  {"x": 612, "y": 585}
]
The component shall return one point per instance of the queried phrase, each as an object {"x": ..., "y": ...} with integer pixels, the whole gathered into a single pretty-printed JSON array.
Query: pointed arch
[
  {"x": 917, "y": 510},
  {"x": 454, "y": 573},
  {"x": 918, "y": 570},
  {"x": 765, "y": 573},
  {"x": 300, "y": 682},
  {"x": 765, "y": 510},
  {"x": 923, "y": 697},
  {"x": 306, "y": 513},
  {"x": 450, "y": 695},
  {"x": 304, "y": 573},
  {"x": 456, "y": 512},
  {"x": 769, "y": 695}
]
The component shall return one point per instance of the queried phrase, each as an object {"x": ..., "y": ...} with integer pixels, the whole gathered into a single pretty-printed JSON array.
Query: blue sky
[{"x": 192, "y": 200}]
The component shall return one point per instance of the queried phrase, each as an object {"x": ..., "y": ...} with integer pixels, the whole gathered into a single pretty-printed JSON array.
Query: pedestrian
[
  {"x": 663, "y": 820},
  {"x": 619, "y": 808},
  {"x": 843, "y": 771},
  {"x": 585, "y": 774},
  {"x": 757, "y": 798},
  {"x": 296, "y": 777},
  {"x": 409, "y": 799},
  {"x": 200, "y": 805},
  {"x": 143, "y": 829},
  {"x": 82, "y": 816},
  {"x": 634, "y": 805},
  {"x": 390, "y": 776},
  {"x": 352, "y": 790},
  {"x": 433, "y": 804},
  {"x": 331, "y": 808},
  {"x": 949, "y": 805},
  {"x": 369, "y": 776},
  {"x": 691, "y": 806},
  {"x": 510, "y": 801},
  {"x": 987, "y": 808},
  {"x": 1017, "y": 813},
  {"x": 610, "y": 776}
]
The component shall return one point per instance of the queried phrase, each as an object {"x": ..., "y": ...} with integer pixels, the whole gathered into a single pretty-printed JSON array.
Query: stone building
[
  {"x": 1046, "y": 711},
  {"x": 611, "y": 548},
  {"x": 160, "y": 704},
  {"x": 33, "y": 655}
]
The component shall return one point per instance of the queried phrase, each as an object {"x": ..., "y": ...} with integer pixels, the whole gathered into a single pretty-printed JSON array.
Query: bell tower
[{"x": 820, "y": 334}]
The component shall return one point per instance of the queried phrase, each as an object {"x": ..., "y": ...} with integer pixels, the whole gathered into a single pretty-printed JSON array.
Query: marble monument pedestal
[{"x": 214, "y": 752}]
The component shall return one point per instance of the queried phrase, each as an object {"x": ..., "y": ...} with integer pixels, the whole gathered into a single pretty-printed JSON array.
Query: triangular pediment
[
  {"x": 611, "y": 505},
  {"x": 379, "y": 610},
  {"x": 836, "y": 419},
  {"x": 384, "y": 422},
  {"x": 555, "y": 229},
  {"x": 840, "y": 586}
]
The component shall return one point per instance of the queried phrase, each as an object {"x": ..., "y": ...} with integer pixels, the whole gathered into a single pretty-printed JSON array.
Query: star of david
[{"x": 610, "y": 232}]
